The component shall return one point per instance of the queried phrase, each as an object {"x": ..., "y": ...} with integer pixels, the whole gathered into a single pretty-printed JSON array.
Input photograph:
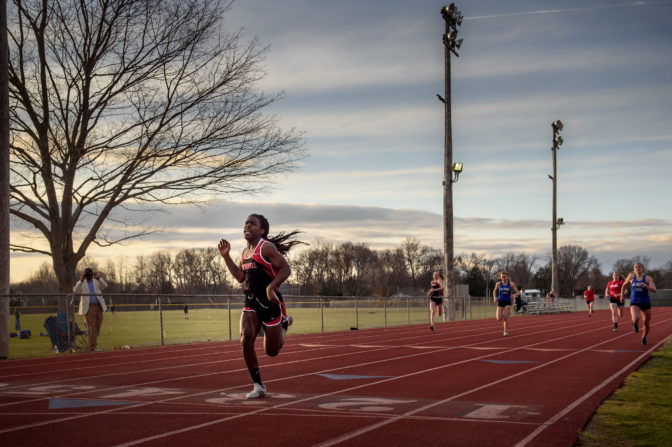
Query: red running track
[{"x": 463, "y": 384}]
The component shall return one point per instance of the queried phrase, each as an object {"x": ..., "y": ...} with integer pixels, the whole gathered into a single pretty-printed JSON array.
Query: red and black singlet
[{"x": 258, "y": 274}]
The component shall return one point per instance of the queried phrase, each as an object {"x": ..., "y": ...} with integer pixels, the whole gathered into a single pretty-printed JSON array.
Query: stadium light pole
[
  {"x": 557, "y": 142},
  {"x": 451, "y": 172}
]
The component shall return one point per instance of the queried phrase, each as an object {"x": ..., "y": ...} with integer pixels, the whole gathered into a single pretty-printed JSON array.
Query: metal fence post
[
  {"x": 228, "y": 305},
  {"x": 160, "y": 320},
  {"x": 408, "y": 309},
  {"x": 356, "y": 312},
  {"x": 67, "y": 324},
  {"x": 322, "y": 312},
  {"x": 385, "y": 309}
]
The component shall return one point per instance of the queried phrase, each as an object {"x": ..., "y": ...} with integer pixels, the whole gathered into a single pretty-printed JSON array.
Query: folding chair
[
  {"x": 79, "y": 339},
  {"x": 65, "y": 340},
  {"x": 58, "y": 340}
]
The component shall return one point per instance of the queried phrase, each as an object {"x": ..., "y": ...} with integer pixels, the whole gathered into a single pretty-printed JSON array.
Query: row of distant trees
[{"x": 352, "y": 269}]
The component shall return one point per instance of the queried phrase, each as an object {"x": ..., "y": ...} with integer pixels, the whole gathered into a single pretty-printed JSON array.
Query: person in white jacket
[{"x": 92, "y": 305}]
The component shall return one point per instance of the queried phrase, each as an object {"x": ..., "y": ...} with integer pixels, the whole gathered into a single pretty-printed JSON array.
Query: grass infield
[{"x": 640, "y": 412}]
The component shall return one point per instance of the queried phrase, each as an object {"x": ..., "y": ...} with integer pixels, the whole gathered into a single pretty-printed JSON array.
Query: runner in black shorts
[
  {"x": 640, "y": 301},
  {"x": 262, "y": 268},
  {"x": 613, "y": 291},
  {"x": 435, "y": 295},
  {"x": 504, "y": 290}
]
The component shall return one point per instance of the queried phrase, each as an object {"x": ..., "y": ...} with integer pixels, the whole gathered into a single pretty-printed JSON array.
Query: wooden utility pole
[
  {"x": 4, "y": 183},
  {"x": 453, "y": 19}
]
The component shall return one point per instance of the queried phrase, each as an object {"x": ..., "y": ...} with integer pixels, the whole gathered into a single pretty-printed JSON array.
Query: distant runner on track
[
  {"x": 616, "y": 301},
  {"x": 640, "y": 302},
  {"x": 262, "y": 268},
  {"x": 435, "y": 295},
  {"x": 502, "y": 297},
  {"x": 589, "y": 295}
]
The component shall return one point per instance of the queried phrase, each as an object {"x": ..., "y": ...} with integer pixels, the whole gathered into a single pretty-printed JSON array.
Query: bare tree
[
  {"x": 573, "y": 262},
  {"x": 392, "y": 275},
  {"x": 119, "y": 104},
  {"x": 199, "y": 270},
  {"x": 414, "y": 253},
  {"x": 158, "y": 272}
]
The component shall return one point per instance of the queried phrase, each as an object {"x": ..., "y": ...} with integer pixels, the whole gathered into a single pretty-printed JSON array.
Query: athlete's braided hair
[{"x": 282, "y": 241}]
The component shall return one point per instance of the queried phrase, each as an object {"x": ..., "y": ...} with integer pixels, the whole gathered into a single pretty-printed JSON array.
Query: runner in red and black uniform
[
  {"x": 613, "y": 291},
  {"x": 589, "y": 295},
  {"x": 262, "y": 268},
  {"x": 435, "y": 295}
]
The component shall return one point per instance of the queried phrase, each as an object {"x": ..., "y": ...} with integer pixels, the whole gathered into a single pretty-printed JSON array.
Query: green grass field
[
  {"x": 640, "y": 412},
  {"x": 143, "y": 328}
]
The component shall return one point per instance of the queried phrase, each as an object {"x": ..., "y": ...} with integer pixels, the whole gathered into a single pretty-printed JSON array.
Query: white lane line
[{"x": 552, "y": 420}]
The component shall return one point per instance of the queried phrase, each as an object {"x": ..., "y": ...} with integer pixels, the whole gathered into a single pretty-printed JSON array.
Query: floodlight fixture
[
  {"x": 557, "y": 125},
  {"x": 457, "y": 169},
  {"x": 452, "y": 15},
  {"x": 557, "y": 141},
  {"x": 561, "y": 221}
]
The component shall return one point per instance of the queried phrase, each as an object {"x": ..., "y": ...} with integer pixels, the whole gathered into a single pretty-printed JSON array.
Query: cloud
[{"x": 381, "y": 228}]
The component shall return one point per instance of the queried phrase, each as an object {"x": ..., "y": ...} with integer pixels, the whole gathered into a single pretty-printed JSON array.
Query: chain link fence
[{"x": 138, "y": 320}]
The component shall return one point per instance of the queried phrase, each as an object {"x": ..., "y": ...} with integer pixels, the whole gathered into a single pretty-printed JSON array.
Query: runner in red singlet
[{"x": 262, "y": 268}]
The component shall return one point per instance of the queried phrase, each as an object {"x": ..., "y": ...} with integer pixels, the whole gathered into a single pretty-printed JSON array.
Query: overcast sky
[{"x": 360, "y": 78}]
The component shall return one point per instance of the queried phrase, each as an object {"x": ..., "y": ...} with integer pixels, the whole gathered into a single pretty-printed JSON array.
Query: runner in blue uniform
[
  {"x": 502, "y": 297},
  {"x": 262, "y": 268},
  {"x": 640, "y": 302}
]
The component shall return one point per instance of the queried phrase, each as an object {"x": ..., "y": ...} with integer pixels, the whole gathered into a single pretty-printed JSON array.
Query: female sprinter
[
  {"x": 640, "y": 303},
  {"x": 613, "y": 292},
  {"x": 502, "y": 297},
  {"x": 262, "y": 268},
  {"x": 435, "y": 295},
  {"x": 589, "y": 295}
]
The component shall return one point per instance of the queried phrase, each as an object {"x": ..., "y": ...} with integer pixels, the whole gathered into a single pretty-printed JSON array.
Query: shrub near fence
[{"x": 149, "y": 320}]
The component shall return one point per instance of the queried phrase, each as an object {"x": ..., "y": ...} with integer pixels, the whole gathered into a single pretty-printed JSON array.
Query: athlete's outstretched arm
[
  {"x": 627, "y": 281},
  {"x": 650, "y": 284},
  {"x": 225, "y": 251},
  {"x": 280, "y": 265},
  {"x": 513, "y": 286}
]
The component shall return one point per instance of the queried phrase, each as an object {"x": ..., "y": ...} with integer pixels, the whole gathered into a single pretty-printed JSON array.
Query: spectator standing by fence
[
  {"x": 17, "y": 319},
  {"x": 262, "y": 268},
  {"x": 640, "y": 302},
  {"x": 616, "y": 299},
  {"x": 91, "y": 305},
  {"x": 502, "y": 294}
]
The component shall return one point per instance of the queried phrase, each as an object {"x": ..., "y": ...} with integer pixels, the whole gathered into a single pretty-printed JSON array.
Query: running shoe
[
  {"x": 257, "y": 392},
  {"x": 431, "y": 328},
  {"x": 635, "y": 327},
  {"x": 506, "y": 334},
  {"x": 615, "y": 329},
  {"x": 643, "y": 340}
]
